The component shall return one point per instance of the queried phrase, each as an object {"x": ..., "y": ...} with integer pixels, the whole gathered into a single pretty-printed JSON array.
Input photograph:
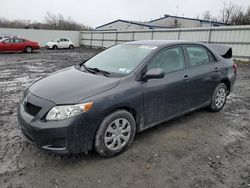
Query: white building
[
  {"x": 165, "y": 22},
  {"x": 183, "y": 22}
]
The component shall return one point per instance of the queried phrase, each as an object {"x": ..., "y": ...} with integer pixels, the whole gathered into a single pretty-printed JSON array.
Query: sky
[{"x": 98, "y": 12}]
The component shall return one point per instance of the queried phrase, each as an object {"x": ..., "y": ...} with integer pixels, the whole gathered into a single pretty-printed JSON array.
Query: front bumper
[
  {"x": 72, "y": 135},
  {"x": 48, "y": 47}
]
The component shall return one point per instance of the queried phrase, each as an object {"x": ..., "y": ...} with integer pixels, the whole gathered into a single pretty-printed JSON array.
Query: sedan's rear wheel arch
[
  {"x": 227, "y": 83},
  {"x": 28, "y": 49}
]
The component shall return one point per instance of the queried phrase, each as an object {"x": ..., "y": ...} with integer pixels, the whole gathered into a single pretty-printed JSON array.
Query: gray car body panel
[{"x": 151, "y": 102}]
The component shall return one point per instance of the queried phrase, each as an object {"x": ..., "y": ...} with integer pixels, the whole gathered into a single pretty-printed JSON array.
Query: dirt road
[{"x": 201, "y": 149}]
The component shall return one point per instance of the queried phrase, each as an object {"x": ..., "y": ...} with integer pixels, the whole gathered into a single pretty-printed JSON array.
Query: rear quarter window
[{"x": 198, "y": 55}]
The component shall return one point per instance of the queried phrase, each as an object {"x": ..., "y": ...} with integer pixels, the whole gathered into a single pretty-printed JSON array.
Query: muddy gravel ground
[{"x": 201, "y": 149}]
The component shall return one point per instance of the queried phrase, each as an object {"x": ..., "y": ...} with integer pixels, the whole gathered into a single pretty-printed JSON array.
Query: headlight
[{"x": 66, "y": 111}]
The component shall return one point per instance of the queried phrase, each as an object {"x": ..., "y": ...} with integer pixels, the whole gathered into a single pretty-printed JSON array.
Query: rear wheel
[
  {"x": 115, "y": 133},
  {"x": 219, "y": 98},
  {"x": 71, "y": 47},
  {"x": 55, "y": 47},
  {"x": 28, "y": 49}
]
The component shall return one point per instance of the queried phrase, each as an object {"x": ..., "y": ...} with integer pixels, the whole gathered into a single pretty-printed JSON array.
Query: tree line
[
  {"x": 52, "y": 21},
  {"x": 231, "y": 14}
]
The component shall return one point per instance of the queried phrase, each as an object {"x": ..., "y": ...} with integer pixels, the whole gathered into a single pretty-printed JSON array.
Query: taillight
[{"x": 235, "y": 67}]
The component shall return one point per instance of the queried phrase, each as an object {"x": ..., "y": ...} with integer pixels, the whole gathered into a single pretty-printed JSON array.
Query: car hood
[{"x": 70, "y": 85}]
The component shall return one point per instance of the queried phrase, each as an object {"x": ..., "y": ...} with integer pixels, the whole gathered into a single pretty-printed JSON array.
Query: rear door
[
  {"x": 167, "y": 96},
  {"x": 203, "y": 74},
  {"x": 9, "y": 45}
]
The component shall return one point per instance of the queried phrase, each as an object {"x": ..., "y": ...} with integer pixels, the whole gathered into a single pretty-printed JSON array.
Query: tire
[
  {"x": 28, "y": 49},
  {"x": 71, "y": 47},
  {"x": 55, "y": 47},
  {"x": 110, "y": 140},
  {"x": 219, "y": 98}
]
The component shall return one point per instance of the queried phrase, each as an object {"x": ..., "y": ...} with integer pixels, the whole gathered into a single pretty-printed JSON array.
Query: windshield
[{"x": 120, "y": 59}]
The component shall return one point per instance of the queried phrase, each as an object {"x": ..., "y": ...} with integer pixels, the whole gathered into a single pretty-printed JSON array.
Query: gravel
[{"x": 201, "y": 149}]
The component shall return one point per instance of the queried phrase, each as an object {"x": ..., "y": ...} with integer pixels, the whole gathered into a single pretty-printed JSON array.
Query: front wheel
[
  {"x": 115, "y": 134},
  {"x": 219, "y": 98},
  {"x": 71, "y": 47}
]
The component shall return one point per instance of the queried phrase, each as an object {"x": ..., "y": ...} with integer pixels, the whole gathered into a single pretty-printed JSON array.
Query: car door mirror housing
[{"x": 154, "y": 74}]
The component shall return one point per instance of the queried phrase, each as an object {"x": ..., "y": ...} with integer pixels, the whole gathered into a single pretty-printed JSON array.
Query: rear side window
[
  {"x": 211, "y": 56},
  {"x": 198, "y": 55},
  {"x": 9, "y": 41},
  {"x": 169, "y": 60},
  {"x": 19, "y": 40}
]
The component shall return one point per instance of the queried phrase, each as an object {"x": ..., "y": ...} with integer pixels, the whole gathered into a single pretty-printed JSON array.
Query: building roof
[
  {"x": 180, "y": 17},
  {"x": 145, "y": 24}
]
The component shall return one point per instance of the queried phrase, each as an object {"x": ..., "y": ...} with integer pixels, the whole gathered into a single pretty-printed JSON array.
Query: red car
[{"x": 18, "y": 45}]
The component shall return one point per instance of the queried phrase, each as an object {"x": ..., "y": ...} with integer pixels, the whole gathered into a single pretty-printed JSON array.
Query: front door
[{"x": 167, "y": 96}]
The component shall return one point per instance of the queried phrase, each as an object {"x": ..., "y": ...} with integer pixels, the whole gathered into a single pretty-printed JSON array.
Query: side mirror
[
  {"x": 58, "y": 41},
  {"x": 154, "y": 73}
]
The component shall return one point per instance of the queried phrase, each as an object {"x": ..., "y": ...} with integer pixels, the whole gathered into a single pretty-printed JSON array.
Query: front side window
[
  {"x": 197, "y": 55},
  {"x": 121, "y": 59},
  {"x": 169, "y": 60}
]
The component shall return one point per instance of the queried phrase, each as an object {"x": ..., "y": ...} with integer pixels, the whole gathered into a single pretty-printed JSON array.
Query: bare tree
[
  {"x": 207, "y": 15},
  {"x": 240, "y": 17},
  {"x": 61, "y": 23},
  {"x": 226, "y": 12},
  {"x": 51, "y": 22},
  {"x": 175, "y": 23}
]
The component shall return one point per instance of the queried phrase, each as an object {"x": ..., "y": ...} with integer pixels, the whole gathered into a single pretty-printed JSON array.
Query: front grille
[{"x": 31, "y": 108}]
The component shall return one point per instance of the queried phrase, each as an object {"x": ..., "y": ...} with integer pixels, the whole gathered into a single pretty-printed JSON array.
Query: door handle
[{"x": 186, "y": 77}]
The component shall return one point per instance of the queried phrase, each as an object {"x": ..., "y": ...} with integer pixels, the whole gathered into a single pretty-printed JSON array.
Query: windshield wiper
[{"x": 96, "y": 70}]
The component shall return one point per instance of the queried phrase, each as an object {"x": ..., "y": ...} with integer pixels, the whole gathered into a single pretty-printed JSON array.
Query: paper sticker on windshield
[
  {"x": 128, "y": 71},
  {"x": 122, "y": 70},
  {"x": 148, "y": 47}
]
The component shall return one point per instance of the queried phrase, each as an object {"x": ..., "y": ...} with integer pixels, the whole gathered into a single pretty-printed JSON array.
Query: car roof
[{"x": 161, "y": 42}]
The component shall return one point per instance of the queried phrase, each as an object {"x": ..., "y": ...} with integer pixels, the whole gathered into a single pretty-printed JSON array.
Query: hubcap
[
  {"x": 117, "y": 134},
  {"x": 220, "y": 97},
  {"x": 29, "y": 50}
]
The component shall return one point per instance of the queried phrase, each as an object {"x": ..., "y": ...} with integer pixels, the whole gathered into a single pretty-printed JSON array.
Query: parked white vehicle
[{"x": 60, "y": 43}]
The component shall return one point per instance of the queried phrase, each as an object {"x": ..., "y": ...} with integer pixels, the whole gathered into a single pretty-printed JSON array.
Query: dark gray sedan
[{"x": 101, "y": 103}]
